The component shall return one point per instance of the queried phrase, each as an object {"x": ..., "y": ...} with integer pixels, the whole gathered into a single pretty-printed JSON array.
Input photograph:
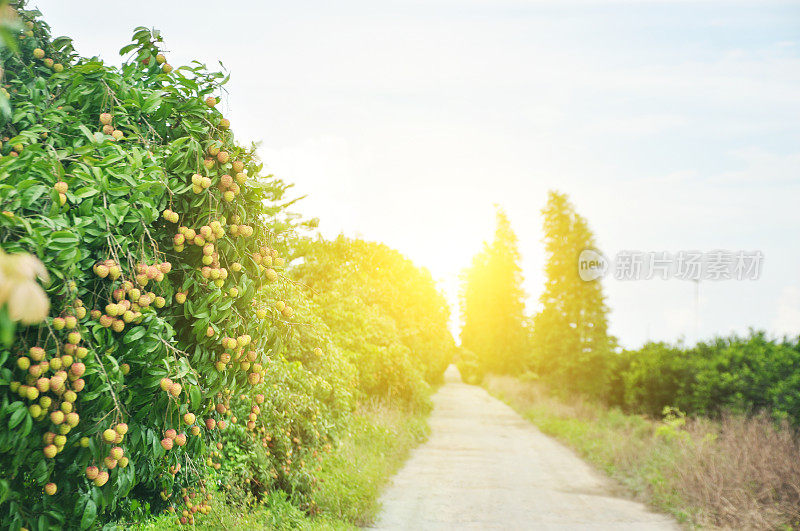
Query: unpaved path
[{"x": 485, "y": 467}]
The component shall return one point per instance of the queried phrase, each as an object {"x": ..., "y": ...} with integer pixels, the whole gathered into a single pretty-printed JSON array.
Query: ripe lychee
[
  {"x": 101, "y": 479},
  {"x": 77, "y": 369},
  {"x": 57, "y": 383},
  {"x": 56, "y": 417},
  {"x": 175, "y": 389},
  {"x": 72, "y": 418}
]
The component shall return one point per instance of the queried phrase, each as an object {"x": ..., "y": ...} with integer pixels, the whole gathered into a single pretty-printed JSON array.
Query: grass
[
  {"x": 377, "y": 444},
  {"x": 737, "y": 472},
  {"x": 373, "y": 447}
]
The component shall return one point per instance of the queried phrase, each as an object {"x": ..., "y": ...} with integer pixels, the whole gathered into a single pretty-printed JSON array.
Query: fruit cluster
[
  {"x": 39, "y": 54},
  {"x": 116, "y": 455},
  {"x": 128, "y": 300}
]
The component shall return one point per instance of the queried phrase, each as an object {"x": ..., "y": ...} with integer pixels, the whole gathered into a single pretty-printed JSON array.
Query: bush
[
  {"x": 736, "y": 374},
  {"x": 469, "y": 366}
]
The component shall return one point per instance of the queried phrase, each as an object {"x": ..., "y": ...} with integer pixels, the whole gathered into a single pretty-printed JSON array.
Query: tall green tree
[
  {"x": 493, "y": 303},
  {"x": 570, "y": 334}
]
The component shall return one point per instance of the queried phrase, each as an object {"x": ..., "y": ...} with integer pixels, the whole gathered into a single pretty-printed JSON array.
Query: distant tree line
[{"x": 566, "y": 343}]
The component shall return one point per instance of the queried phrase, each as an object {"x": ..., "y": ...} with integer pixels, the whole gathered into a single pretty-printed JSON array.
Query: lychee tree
[
  {"x": 384, "y": 310},
  {"x": 283, "y": 434},
  {"x": 158, "y": 233}
]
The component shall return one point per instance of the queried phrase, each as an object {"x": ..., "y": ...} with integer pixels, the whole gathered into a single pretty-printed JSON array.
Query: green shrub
[
  {"x": 469, "y": 366},
  {"x": 739, "y": 374}
]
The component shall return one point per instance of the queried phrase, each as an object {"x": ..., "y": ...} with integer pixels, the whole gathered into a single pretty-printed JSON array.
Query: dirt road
[{"x": 485, "y": 467}]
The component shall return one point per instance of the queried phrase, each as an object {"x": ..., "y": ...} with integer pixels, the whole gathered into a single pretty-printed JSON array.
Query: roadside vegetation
[
  {"x": 374, "y": 445},
  {"x": 734, "y": 472}
]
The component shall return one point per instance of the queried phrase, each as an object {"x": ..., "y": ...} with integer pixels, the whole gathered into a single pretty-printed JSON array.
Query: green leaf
[
  {"x": 135, "y": 334},
  {"x": 128, "y": 48},
  {"x": 195, "y": 396},
  {"x": 89, "y": 514},
  {"x": 17, "y": 417},
  {"x": 63, "y": 240},
  {"x": 88, "y": 134},
  {"x": 83, "y": 193}
]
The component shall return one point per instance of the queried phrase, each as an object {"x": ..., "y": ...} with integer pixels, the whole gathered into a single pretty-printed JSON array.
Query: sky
[{"x": 671, "y": 125}]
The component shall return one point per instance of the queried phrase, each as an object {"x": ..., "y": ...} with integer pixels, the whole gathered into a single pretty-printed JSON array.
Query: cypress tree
[
  {"x": 493, "y": 303},
  {"x": 570, "y": 334}
]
